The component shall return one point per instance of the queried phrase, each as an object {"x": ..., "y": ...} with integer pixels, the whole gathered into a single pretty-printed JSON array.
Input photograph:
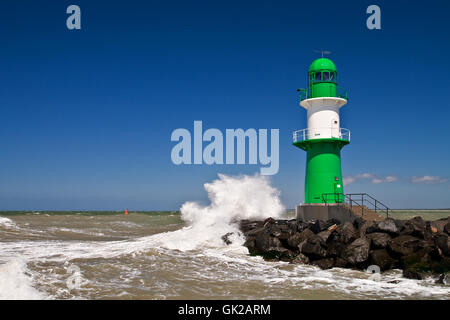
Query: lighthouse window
[
  {"x": 332, "y": 76},
  {"x": 326, "y": 76},
  {"x": 318, "y": 76}
]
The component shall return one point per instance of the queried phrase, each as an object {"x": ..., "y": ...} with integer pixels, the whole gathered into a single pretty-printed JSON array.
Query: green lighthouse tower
[{"x": 323, "y": 139}]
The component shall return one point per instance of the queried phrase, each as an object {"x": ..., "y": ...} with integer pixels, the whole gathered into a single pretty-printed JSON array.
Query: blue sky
[{"x": 86, "y": 116}]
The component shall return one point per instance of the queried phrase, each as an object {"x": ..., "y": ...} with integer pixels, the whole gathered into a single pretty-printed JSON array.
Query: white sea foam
[
  {"x": 74, "y": 230},
  {"x": 126, "y": 224},
  {"x": 232, "y": 199},
  {"x": 16, "y": 283},
  {"x": 7, "y": 223}
]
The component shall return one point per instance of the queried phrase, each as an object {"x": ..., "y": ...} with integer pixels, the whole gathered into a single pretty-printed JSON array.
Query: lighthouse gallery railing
[
  {"x": 340, "y": 93},
  {"x": 321, "y": 133}
]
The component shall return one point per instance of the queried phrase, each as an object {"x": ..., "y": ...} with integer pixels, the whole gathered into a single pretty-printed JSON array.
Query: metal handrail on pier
[
  {"x": 364, "y": 200},
  {"x": 358, "y": 200}
]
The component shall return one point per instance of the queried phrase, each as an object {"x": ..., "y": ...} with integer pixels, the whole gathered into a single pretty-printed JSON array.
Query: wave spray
[{"x": 232, "y": 198}]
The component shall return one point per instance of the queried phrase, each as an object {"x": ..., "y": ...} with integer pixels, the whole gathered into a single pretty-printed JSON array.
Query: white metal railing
[{"x": 321, "y": 133}]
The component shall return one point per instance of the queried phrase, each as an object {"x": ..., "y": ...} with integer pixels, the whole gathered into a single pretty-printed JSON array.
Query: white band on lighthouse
[{"x": 323, "y": 116}]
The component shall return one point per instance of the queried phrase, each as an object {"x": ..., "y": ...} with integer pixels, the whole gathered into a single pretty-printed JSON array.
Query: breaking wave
[
  {"x": 7, "y": 223},
  {"x": 16, "y": 282},
  {"x": 232, "y": 199}
]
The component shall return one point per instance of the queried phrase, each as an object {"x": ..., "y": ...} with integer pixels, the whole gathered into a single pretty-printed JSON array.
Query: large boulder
[
  {"x": 382, "y": 259},
  {"x": 415, "y": 227},
  {"x": 339, "y": 239},
  {"x": 442, "y": 241},
  {"x": 419, "y": 259},
  {"x": 294, "y": 240},
  {"x": 283, "y": 254},
  {"x": 357, "y": 252},
  {"x": 319, "y": 226},
  {"x": 250, "y": 245},
  {"x": 440, "y": 224},
  {"x": 363, "y": 228},
  {"x": 326, "y": 263},
  {"x": 420, "y": 264},
  {"x": 314, "y": 248},
  {"x": 300, "y": 259},
  {"x": 444, "y": 279},
  {"x": 281, "y": 234},
  {"x": 387, "y": 226},
  {"x": 405, "y": 245},
  {"x": 324, "y": 235},
  {"x": 269, "y": 248},
  {"x": 340, "y": 262},
  {"x": 346, "y": 233},
  {"x": 255, "y": 232},
  {"x": 447, "y": 228},
  {"x": 399, "y": 223},
  {"x": 278, "y": 254},
  {"x": 265, "y": 242},
  {"x": 269, "y": 221},
  {"x": 379, "y": 240},
  {"x": 280, "y": 229},
  {"x": 423, "y": 263},
  {"x": 335, "y": 249},
  {"x": 301, "y": 225},
  {"x": 415, "y": 274},
  {"x": 249, "y": 225},
  {"x": 358, "y": 222}
]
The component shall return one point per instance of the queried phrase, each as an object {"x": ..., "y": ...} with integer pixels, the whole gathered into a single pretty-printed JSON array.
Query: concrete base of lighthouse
[{"x": 322, "y": 211}]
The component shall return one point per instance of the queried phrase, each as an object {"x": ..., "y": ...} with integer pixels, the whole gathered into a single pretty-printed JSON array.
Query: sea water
[{"x": 177, "y": 255}]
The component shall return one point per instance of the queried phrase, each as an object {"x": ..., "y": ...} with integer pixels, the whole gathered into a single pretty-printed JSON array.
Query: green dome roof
[{"x": 322, "y": 64}]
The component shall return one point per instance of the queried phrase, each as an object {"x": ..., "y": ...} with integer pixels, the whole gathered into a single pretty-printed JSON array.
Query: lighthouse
[{"x": 323, "y": 140}]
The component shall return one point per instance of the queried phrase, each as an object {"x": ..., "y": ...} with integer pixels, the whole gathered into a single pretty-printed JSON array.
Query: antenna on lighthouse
[{"x": 323, "y": 52}]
